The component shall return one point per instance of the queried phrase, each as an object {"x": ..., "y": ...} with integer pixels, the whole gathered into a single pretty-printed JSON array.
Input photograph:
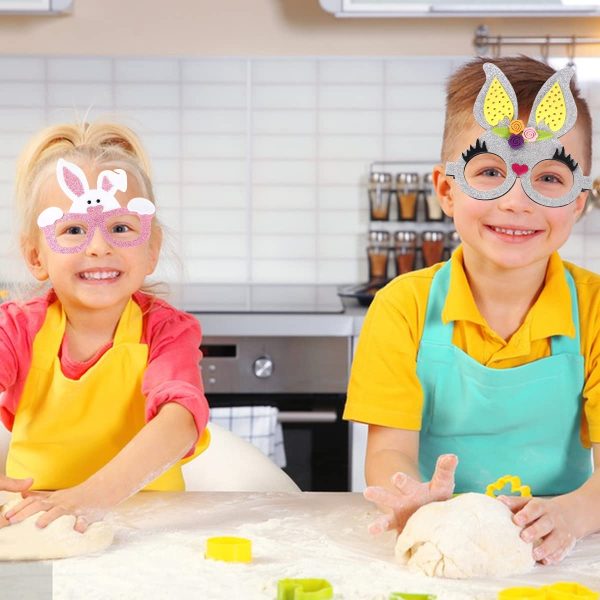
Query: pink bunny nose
[{"x": 519, "y": 169}]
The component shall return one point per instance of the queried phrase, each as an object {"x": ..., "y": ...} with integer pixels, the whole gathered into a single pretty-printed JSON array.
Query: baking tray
[{"x": 363, "y": 292}]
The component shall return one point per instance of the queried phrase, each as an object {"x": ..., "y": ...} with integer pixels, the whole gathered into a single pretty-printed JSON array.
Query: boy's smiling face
[{"x": 512, "y": 230}]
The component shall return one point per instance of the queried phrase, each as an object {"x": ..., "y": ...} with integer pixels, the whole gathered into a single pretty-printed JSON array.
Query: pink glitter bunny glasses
[
  {"x": 92, "y": 209},
  {"x": 120, "y": 227}
]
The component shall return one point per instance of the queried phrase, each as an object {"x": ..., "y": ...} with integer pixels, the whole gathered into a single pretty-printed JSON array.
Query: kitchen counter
[
  {"x": 259, "y": 310},
  {"x": 159, "y": 552},
  {"x": 344, "y": 324}
]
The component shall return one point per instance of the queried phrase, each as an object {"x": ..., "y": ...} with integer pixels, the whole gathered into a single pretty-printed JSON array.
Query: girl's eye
[
  {"x": 121, "y": 228},
  {"x": 74, "y": 230}
]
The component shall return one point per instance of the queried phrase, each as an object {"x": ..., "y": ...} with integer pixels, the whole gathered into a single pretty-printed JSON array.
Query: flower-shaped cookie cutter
[
  {"x": 229, "y": 549},
  {"x": 304, "y": 589},
  {"x": 515, "y": 486},
  {"x": 562, "y": 590}
]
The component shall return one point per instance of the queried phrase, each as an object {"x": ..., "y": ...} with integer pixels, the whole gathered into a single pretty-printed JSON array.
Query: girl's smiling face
[{"x": 102, "y": 275}]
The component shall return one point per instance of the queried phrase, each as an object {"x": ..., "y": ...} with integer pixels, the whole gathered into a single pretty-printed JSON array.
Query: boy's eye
[
  {"x": 492, "y": 173},
  {"x": 485, "y": 171},
  {"x": 552, "y": 178}
]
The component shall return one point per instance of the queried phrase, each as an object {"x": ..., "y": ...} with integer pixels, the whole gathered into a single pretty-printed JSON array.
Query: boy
[{"x": 487, "y": 365}]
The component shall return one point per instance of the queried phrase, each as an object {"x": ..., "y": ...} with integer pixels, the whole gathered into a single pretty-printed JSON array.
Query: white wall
[
  {"x": 254, "y": 28},
  {"x": 260, "y": 164}
]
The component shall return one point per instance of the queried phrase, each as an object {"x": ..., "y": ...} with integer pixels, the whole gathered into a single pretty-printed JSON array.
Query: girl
[{"x": 102, "y": 389}]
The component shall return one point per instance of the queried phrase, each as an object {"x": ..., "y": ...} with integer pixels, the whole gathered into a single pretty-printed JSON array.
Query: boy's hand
[
  {"x": 76, "y": 501},
  {"x": 409, "y": 494},
  {"x": 546, "y": 522}
]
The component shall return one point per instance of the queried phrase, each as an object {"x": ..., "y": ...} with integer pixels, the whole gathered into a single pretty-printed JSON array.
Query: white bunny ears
[{"x": 73, "y": 182}]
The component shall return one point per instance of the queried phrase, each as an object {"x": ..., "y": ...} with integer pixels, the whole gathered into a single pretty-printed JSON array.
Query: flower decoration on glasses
[
  {"x": 95, "y": 208},
  {"x": 509, "y": 149}
]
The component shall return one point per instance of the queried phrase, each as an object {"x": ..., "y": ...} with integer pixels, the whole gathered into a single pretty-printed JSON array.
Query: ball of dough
[
  {"x": 26, "y": 541},
  {"x": 471, "y": 535}
]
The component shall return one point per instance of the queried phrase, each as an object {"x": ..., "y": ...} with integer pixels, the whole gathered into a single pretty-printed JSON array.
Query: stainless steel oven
[{"x": 305, "y": 379}]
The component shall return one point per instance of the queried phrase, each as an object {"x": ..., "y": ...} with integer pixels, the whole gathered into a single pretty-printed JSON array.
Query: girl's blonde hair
[{"x": 98, "y": 145}]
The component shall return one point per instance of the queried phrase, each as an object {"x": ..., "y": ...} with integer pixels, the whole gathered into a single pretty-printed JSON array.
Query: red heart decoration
[{"x": 519, "y": 169}]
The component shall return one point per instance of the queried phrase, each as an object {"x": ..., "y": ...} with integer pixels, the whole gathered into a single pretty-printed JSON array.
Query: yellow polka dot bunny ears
[{"x": 510, "y": 150}]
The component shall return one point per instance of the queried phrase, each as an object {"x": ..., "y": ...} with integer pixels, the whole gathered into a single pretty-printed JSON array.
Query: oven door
[{"x": 315, "y": 437}]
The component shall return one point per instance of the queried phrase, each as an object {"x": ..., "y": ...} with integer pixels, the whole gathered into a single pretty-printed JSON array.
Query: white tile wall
[{"x": 260, "y": 164}]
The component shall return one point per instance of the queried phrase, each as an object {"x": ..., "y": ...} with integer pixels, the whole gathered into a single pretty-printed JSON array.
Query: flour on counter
[{"x": 168, "y": 561}]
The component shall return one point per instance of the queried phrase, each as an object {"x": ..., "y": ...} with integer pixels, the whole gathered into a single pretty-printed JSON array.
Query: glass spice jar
[
  {"x": 433, "y": 209},
  {"x": 380, "y": 189},
  {"x": 432, "y": 245},
  {"x": 405, "y": 251},
  {"x": 407, "y": 192},
  {"x": 377, "y": 253}
]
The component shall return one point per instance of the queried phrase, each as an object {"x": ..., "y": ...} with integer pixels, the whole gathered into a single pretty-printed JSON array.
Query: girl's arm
[
  {"x": 557, "y": 523},
  {"x": 161, "y": 443}
]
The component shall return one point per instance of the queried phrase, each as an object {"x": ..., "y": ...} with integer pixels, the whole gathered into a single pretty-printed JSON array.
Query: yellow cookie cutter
[
  {"x": 562, "y": 590},
  {"x": 229, "y": 549},
  {"x": 515, "y": 486}
]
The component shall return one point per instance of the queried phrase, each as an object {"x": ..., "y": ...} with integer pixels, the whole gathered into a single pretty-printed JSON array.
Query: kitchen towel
[{"x": 255, "y": 424}]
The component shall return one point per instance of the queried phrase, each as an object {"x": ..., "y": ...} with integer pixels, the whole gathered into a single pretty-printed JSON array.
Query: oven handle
[{"x": 307, "y": 416}]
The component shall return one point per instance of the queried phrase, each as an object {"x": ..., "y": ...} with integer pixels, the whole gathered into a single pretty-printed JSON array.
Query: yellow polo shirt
[{"x": 384, "y": 388}]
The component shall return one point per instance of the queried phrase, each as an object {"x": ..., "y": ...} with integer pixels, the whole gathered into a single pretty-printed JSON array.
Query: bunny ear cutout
[
  {"x": 554, "y": 106},
  {"x": 111, "y": 181},
  {"x": 71, "y": 179},
  {"x": 496, "y": 100}
]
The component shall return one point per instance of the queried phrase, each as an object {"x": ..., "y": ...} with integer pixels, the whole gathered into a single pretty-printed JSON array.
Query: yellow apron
[{"x": 65, "y": 430}]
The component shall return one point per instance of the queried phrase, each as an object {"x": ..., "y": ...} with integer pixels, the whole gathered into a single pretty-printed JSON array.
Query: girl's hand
[
  {"x": 76, "y": 501},
  {"x": 409, "y": 494},
  {"x": 546, "y": 522},
  {"x": 8, "y": 484}
]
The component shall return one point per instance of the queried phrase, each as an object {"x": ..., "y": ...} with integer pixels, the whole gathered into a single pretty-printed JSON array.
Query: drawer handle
[{"x": 307, "y": 416}]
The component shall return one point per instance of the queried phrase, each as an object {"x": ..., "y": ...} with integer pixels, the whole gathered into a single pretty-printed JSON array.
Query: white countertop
[{"x": 159, "y": 552}]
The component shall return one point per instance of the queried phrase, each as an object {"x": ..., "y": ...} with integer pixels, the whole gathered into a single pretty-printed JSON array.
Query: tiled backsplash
[{"x": 260, "y": 165}]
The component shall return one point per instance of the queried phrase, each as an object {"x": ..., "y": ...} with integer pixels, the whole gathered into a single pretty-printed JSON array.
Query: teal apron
[{"x": 521, "y": 421}]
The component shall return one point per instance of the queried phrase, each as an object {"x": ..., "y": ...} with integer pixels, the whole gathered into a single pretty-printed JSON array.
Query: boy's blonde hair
[
  {"x": 98, "y": 145},
  {"x": 526, "y": 76}
]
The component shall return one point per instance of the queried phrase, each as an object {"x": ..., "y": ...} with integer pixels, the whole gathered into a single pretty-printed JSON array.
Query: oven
[{"x": 305, "y": 378}]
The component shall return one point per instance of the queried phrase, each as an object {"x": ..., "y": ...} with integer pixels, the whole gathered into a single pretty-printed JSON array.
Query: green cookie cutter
[{"x": 304, "y": 589}]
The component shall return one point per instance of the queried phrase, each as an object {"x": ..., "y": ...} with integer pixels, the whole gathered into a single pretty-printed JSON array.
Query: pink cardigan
[{"x": 172, "y": 374}]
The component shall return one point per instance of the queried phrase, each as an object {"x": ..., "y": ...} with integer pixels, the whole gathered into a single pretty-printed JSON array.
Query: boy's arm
[
  {"x": 557, "y": 523},
  {"x": 392, "y": 473},
  {"x": 155, "y": 448},
  {"x": 390, "y": 451}
]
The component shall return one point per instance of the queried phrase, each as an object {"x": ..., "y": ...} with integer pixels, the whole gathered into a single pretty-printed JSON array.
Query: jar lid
[
  {"x": 407, "y": 178},
  {"x": 380, "y": 177},
  {"x": 428, "y": 178},
  {"x": 379, "y": 236},
  {"x": 405, "y": 236},
  {"x": 433, "y": 236},
  {"x": 454, "y": 237}
]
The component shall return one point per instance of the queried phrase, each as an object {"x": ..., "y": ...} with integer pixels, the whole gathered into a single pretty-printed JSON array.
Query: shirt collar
[
  {"x": 550, "y": 315},
  {"x": 460, "y": 304}
]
